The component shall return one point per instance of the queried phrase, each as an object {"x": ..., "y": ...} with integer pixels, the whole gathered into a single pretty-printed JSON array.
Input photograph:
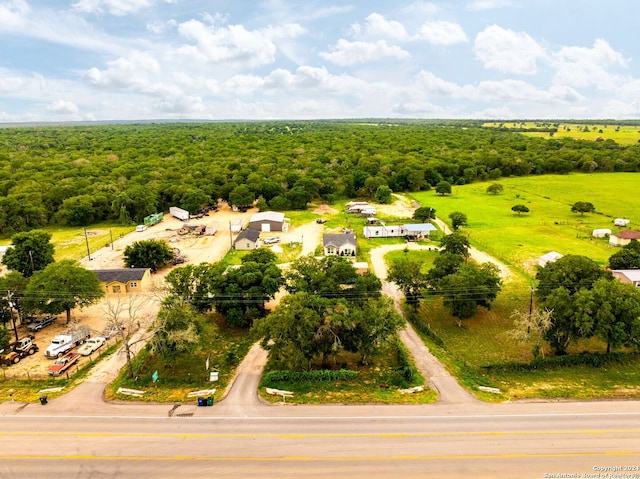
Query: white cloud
[
  {"x": 132, "y": 71},
  {"x": 442, "y": 33},
  {"x": 114, "y": 7},
  {"x": 508, "y": 51},
  {"x": 489, "y": 4},
  {"x": 62, "y": 107},
  {"x": 350, "y": 53},
  {"x": 421, "y": 8},
  {"x": 234, "y": 43},
  {"x": 12, "y": 14},
  {"x": 581, "y": 67},
  {"x": 377, "y": 26}
]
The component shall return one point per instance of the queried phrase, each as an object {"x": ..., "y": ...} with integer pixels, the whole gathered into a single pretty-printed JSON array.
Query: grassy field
[
  {"x": 621, "y": 134},
  {"x": 550, "y": 225},
  {"x": 478, "y": 350}
]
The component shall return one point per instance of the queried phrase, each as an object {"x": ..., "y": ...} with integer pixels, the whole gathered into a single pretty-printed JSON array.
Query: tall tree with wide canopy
[
  {"x": 152, "y": 254},
  {"x": 408, "y": 275},
  {"x": 31, "y": 251},
  {"x": 61, "y": 287}
]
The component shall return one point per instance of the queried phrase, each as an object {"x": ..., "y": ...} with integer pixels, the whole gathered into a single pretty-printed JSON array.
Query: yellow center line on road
[
  {"x": 446, "y": 457},
  {"x": 318, "y": 435}
]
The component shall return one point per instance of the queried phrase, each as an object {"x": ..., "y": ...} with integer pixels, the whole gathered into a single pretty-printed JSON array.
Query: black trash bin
[{"x": 43, "y": 400}]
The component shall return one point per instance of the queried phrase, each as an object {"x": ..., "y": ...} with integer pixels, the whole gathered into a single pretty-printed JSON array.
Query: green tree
[
  {"x": 177, "y": 329},
  {"x": 61, "y": 287},
  {"x": 408, "y": 276},
  {"x": 443, "y": 188},
  {"x": 241, "y": 196},
  {"x": 473, "y": 285},
  {"x": 383, "y": 195},
  {"x": 583, "y": 207},
  {"x": 455, "y": 243},
  {"x": 78, "y": 210},
  {"x": 495, "y": 188},
  {"x": 614, "y": 311},
  {"x": 628, "y": 257},
  {"x": 240, "y": 294},
  {"x": 564, "y": 288},
  {"x": 194, "y": 283},
  {"x": 297, "y": 330},
  {"x": 571, "y": 272},
  {"x": 519, "y": 209},
  {"x": 376, "y": 321},
  {"x": 30, "y": 251},
  {"x": 424, "y": 214},
  {"x": 151, "y": 254},
  {"x": 326, "y": 276},
  {"x": 445, "y": 264},
  {"x": 194, "y": 199},
  {"x": 457, "y": 220}
]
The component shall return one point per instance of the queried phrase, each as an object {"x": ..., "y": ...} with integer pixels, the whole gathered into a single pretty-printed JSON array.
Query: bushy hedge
[
  {"x": 594, "y": 360},
  {"x": 322, "y": 375}
]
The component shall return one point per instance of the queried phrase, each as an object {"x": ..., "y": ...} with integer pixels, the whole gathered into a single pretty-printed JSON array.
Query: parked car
[
  {"x": 112, "y": 330},
  {"x": 141, "y": 228},
  {"x": 39, "y": 323},
  {"x": 91, "y": 345},
  {"x": 271, "y": 240}
]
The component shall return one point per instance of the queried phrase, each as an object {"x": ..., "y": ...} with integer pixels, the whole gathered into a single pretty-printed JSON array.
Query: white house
[{"x": 343, "y": 244}]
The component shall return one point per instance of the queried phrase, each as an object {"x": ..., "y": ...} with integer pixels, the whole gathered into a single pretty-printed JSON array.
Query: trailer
[{"x": 179, "y": 213}]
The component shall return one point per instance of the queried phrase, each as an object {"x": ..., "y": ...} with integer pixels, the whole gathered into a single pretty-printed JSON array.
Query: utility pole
[
  {"x": 111, "y": 236},
  {"x": 13, "y": 319},
  {"x": 86, "y": 239}
]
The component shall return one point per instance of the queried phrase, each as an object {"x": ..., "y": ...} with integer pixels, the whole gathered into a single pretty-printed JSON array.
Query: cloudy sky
[{"x": 67, "y": 60}]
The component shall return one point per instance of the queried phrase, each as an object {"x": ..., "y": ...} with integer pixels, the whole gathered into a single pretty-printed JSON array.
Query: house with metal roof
[{"x": 268, "y": 221}]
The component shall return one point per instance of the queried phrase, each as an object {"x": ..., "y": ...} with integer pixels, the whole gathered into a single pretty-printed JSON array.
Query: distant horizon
[
  {"x": 300, "y": 120},
  {"x": 292, "y": 60}
]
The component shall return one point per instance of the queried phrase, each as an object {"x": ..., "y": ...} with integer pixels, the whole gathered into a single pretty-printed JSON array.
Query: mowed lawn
[{"x": 550, "y": 225}]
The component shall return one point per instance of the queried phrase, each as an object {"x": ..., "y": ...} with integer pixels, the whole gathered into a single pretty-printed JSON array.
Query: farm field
[
  {"x": 550, "y": 225},
  {"x": 621, "y": 134},
  {"x": 482, "y": 349}
]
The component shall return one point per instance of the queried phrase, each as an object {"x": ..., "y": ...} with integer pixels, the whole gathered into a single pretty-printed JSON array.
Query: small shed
[
  {"x": 550, "y": 257},
  {"x": 601, "y": 232},
  {"x": 343, "y": 244},
  {"x": 362, "y": 267},
  {"x": 247, "y": 240},
  {"x": 624, "y": 237},
  {"x": 267, "y": 221},
  {"x": 124, "y": 280}
]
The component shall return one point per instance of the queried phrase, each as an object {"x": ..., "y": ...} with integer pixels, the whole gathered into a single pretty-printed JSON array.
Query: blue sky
[{"x": 78, "y": 60}]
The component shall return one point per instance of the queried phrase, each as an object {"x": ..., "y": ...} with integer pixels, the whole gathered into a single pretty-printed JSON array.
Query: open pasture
[
  {"x": 550, "y": 225},
  {"x": 621, "y": 134}
]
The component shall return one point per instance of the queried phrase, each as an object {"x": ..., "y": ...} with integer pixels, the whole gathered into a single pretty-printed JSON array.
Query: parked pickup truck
[
  {"x": 63, "y": 363},
  {"x": 63, "y": 343},
  {"x": 40, "y": 323}
]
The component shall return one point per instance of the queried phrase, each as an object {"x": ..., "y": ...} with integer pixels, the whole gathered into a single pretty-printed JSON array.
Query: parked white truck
[{"x": 63, "y": 343}]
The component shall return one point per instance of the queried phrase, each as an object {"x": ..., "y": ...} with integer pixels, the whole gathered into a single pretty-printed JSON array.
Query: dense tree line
[{"x": 82, "y": 174}]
